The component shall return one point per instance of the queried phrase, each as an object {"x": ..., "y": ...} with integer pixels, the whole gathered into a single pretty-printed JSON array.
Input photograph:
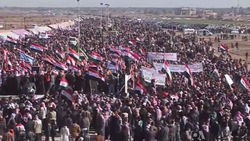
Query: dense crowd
[{"x": 130, "y": 80}]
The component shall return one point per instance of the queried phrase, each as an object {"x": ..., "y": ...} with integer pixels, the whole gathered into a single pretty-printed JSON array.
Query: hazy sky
[{"x": 125, "y": 3}]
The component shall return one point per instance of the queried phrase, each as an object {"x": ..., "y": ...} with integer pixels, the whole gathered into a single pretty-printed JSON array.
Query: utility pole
[
  {"x": 238, "y": 8},
  {"x": 107, "y": 6},
  {"x": 101, "y": 26}
]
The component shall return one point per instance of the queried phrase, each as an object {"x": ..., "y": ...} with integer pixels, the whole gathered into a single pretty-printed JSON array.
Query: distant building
[
  {"x": 185, "y": 11},
  {"x": 204, "y": 13},
  {"x": 208, "y": 12}
]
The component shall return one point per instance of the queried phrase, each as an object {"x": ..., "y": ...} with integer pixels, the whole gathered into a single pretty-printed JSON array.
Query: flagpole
[
  {"x": 79, "y": 26},
  {"x": 101, "y": 26},
  {"x": 107, "y": 12}
]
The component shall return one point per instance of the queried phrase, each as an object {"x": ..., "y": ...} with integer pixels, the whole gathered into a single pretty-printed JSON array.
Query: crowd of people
[{"x": 129, "y": 80}]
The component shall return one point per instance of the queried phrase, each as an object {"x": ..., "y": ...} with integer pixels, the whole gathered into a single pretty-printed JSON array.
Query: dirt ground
[
  {"x": 244, "y": 46},
  {"x": 26, "y": 20}
]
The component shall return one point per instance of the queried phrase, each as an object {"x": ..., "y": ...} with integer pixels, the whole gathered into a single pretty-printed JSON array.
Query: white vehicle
[
  {"x": 189, "y": 31},
  {"x": 235, "y": 31},
  {"x": 73, "y": 40},
  {"x": 43, "y": 35},
  {"x": 204, "y": 32}
]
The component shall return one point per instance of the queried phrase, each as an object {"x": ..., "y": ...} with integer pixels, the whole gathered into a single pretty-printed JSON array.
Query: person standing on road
[
  {"x": 75, "y": 131},
  {"x": 8, "y": 136},
  {"x": 64, "y": 132},
  {"x": 38, "y": 128}
]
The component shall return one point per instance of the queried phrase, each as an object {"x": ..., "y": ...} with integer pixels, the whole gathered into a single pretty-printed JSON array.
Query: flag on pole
[
  {"x": 68, "y": 94},
  {"x": 64, "y": 82},
  {"x": 11, "y": 40},
  {"x": 74, "y": 54},
  {"x": 166, "y": 69},
  {"x": 245, "y": 83},
  {"x": 139, "y": 87},
  {"x": 189, "y": 76},
  {"x": 36, "y": 47},
  {"x": 223, "y": 47}
]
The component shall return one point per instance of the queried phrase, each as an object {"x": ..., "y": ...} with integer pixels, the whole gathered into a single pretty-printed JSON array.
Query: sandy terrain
[
  {"x": 244, "y": 46},
  {"x": 22, "y": 20}
]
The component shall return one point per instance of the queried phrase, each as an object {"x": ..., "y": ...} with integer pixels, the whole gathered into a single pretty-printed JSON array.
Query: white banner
[
  {"x": 150, "y": 73},
  {"x": 180, "y": 68},
  {"x": 161, "y": 56}
]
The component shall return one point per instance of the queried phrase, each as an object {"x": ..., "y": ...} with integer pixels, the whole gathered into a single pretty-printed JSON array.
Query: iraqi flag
[
  {"x": 138, "y": 39},
  {"x": 36, "y": 47},
  {"x": 68, "y": 94},
  {"x": 166, "y": 69},
  {"x": 61, "y": 66},
  {"x": 49, "y": 60},
  {"x": 11, "y": 40},
  {"x": 96, "y": 56},
  {"x": 64, "y": 82},
  {"x": 26, "y": 66},
  {"x": 70, "y": 61},
  {"x": 74, "y": 68},
  {"x": 114, "y": 52},
  {"x": 92, "y": 65},
  {"x": 131, "y": 55},
  {"x": 245, "y": 83},
  {"x": 122, "y": 48},
  {"x": 216, "y": 72},
  {"x": 142, "y": 52},
  {"x": 60, "y": 54},
  {"x": 5, "y": 54},
  {"x": 223, "y": 47},
  {"x": 139, "y": 88},
  {"x": 93, "y": 74},
  {"x": 189, "y": 76},
  {"x": 74, "y": 54},
  {"x": 132, "y": 42}
]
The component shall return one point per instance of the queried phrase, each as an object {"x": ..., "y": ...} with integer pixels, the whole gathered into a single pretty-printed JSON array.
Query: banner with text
[
  {"x": 161, "y": 56},
  {"x": 150, "y": 73},
  {"x": 180, "y": 68}
]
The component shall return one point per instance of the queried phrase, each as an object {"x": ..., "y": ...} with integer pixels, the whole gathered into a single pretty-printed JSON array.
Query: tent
[
  {"x": 46, "y": 28},
  {"x": 55, "y": 26},
  {"x": 11, "y": 34},
  {"x": 21, "y": 32},
  {"x": 33, "y": 31}
]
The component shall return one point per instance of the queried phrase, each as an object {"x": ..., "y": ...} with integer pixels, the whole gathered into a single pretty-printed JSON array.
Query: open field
[
  {"x": 244, "y": 46},
  {"x": 203, "y": 21},
  {"x": 26, "y": 20}
]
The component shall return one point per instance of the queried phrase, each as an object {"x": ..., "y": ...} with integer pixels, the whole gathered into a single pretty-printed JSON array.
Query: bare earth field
[
  {"x": 244, "y": 46},
  {"x": 26, "y": 20}
]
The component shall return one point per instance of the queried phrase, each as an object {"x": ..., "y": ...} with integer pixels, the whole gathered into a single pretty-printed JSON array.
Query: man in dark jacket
[
  {"x": 79, "y": 82},
  {"x": 163, "y": 133},
  {"x": 30, "y": 135},
  {"x": 115, "y": 126},
  {"x": 150, "y": 133}
]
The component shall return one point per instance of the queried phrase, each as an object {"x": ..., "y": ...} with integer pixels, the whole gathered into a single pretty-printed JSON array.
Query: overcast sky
[{"x": 125, "y": 3}]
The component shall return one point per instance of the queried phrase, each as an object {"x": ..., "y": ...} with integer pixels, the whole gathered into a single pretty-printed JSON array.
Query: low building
[{"x": 185, "y": 11}]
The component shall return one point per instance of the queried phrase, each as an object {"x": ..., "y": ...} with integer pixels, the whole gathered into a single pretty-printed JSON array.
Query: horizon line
[{"x": 112, "y": 7}]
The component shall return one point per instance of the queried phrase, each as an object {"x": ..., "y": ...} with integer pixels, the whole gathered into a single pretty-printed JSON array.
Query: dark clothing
[
  {"x": 40, "y": 85},
  {"x": 79, "y": 83},
  {"x": 115, "y": 126},
  {"x": 150, "y": 135},
  {"x": 2, "y": 126},
  {"x": 163, "y": 133},
  {"x": 29, "y": 125}
]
